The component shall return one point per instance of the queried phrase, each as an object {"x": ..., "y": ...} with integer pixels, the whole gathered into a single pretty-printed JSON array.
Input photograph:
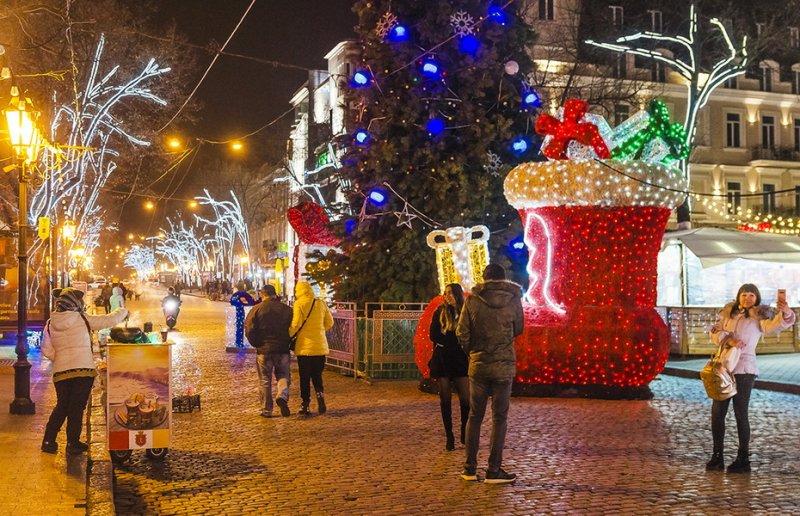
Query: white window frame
[
  {"x": 775, "y": 131},
  {"x": 617, "y": 16},
  {"x": 794, "y": 37},
  {"x": 549, "y": 10},
  {"x": 656, "y": 21},
  {"x": 742, "y": 129},
  {"x": 796, "y": 133},
  {"x": 627, "y": 115},
  {"x": 767, "y": 77}
]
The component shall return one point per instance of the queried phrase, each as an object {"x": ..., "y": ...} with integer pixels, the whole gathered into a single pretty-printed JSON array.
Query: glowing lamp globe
[
  {"x": 378, "y": 197},
  {"x": 520, "y": 146},
  {"x": 497, "y": 15},
  {"x": 361, "y": 136},
  {"x": 469, "y": 44},
  {"x": 397, "y": 33},
  {"x": 361, "y": 78},
  {"x": 430, "y": 68},
  {"x": 435, "y": 126},
  {"x": 531, "y": 99}
]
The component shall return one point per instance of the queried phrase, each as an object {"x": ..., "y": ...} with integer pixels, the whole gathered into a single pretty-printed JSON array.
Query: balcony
[{"x": 774, "y": 153}]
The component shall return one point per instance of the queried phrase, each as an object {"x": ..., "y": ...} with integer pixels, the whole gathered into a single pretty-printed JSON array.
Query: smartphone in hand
[{"x": 782, "y": 294}]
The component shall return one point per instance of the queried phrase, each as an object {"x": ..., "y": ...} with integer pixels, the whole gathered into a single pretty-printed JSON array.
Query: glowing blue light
[
  {"x": 350, "y": 226},
  {"x": 378, "y": 197},
  {"x": 360, "y": 79},
  {"x": 496, "y": 14},
  {"x": 435, "y": 126},
  {"x": 430, "y": 68},
  {"x": 361, "y": 136},
  {"x": 517, "y": 244},
  {"x": 469, "y": 44},
  {"x": 530, "y": 98},
  {"x": 398, "y": 33},
  {"x": 520, "y": 145}
]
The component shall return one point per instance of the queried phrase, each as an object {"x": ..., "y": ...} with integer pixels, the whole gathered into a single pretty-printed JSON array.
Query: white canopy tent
[
  {"x": 715, "y": 246},
  {"x": 705, "y": 266}
]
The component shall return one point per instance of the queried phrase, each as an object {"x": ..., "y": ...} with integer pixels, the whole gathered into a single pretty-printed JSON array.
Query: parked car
[{"x": 97, "y": 282}]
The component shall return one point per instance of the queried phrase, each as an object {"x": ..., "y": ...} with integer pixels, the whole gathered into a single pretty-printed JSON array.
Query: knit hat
[{"x": 68, "y": 299}]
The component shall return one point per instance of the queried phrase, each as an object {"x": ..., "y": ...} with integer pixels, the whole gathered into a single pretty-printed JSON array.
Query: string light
[{"x": 461, "y": 254}]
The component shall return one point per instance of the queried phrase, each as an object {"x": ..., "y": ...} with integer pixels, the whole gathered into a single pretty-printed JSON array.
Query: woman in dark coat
[{"x": 449, "y": 362}]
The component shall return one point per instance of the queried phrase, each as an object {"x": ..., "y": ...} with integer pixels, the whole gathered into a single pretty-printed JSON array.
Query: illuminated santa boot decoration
[{"x": 593, "y": 229}]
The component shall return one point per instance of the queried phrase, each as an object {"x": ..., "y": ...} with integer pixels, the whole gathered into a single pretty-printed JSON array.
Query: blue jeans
[
  {"x": 479, "y": 391},
  {"x": 266, "y": 363}
]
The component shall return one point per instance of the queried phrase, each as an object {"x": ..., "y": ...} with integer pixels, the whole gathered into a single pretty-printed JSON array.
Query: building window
[
  {"x": 767, "y": 132},
  {"x": 621, "y": 113},
  {"x": 734, "y": 197},
  {"x": 769, "y": 198},
  {"x": 797, "y": 134},
  {"x": 657, "y": 72},
  {"x": 794, "y": 37},
  {"x": 759, "y": 28},
  {"x": 546, "y": 9},
  {"x": 616, "y": 15},
  {"x": 797, "y": 201},
  {"x": 733, "y": 130},
  {"x": 655, "y": 21},
  {"x": 731, "y": 83},
  {"x": 766, "y": 78},
  {"x": 620, "y": 66},
  {"x": 796, "y": 82}
]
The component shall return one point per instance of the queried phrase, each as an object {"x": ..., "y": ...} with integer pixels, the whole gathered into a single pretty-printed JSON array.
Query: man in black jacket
[
  {"x": 491, "y": 318},
  {"x": 267, "y": 330}
]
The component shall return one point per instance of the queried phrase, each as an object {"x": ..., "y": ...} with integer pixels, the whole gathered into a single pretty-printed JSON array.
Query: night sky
[{"x": 242, "y": 95}]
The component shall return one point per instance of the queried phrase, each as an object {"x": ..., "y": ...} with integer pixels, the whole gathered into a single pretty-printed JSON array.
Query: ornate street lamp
[{"x": 25, "y": 140}]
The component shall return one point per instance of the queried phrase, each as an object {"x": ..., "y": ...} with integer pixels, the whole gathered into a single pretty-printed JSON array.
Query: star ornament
[{"x": 404, "y": 218}]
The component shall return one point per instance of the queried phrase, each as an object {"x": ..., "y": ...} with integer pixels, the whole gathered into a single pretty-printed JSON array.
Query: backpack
[{"x": 255, "y": 335}]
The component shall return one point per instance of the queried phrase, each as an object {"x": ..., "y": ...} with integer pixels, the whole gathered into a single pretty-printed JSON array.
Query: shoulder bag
[
  {"x": 719, "y": 382},
  {"x": 293, "y": 338}
]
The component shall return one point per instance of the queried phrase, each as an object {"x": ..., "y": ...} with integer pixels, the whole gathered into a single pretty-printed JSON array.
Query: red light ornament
[{"x": 570, "y": 129}]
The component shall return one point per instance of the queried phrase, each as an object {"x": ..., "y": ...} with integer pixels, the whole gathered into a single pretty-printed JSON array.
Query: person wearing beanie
[{"x": 68, "y": 344}]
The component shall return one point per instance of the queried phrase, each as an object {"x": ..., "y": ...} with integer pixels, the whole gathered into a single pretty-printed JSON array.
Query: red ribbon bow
[{"x": 569, "y": 129}]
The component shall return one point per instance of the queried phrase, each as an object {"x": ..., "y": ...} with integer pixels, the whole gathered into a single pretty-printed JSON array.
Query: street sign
[{"x": 44, "y": 228}]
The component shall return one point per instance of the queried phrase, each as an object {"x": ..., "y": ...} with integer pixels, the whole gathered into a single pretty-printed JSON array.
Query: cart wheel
[
  {"x": 156, "y": 453},
  {"x": 119, "y": 456}
]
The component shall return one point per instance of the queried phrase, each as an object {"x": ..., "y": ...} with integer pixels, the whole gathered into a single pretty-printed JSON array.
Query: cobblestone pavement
[{"x": 380, "y": 450}]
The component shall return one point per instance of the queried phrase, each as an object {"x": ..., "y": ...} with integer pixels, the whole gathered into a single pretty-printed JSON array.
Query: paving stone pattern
[{"x": 380, "y": 450}]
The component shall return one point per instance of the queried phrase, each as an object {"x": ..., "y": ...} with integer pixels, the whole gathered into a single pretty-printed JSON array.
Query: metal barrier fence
[{"x": 376, "y": 342}]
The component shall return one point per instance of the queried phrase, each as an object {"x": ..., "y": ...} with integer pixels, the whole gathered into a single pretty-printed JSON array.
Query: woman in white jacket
[
  {"x": 741, "y": 324},
  {"x": 68, "y": 343}
]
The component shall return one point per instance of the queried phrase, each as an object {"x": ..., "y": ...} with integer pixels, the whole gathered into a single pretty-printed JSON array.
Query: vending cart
[{"x": 139, "y": 399}]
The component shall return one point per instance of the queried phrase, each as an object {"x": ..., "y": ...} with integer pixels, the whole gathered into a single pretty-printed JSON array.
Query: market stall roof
[{"x": 715, "y": 246}]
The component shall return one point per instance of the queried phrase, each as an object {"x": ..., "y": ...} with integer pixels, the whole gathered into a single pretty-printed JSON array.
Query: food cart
[{"x": 139, "y": 394}]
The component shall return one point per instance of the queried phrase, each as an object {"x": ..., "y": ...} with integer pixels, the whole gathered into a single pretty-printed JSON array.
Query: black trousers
[
  {"x": 72, "y": 395},
  {"x": 741, "y": 404},
  {"x": 310, "y": 369}
]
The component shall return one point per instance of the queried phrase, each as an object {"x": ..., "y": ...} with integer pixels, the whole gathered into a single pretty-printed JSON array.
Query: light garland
[
  {"x": 461, "y": 254},
  {"x": 591, "y": 183}
]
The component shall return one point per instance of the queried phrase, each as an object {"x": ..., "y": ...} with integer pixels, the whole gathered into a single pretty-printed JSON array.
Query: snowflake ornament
[
  {"x": 463, "y": 24},
  {"x": 493, "y": 164},
  {"x": 385, "y": 24}
]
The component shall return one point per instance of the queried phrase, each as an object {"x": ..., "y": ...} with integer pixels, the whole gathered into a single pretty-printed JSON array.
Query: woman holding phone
[{"x": 741, "y": 324}]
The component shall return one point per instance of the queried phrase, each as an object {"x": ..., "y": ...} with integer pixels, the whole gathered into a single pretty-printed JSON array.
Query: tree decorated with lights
[
  {"x": 229, "y": 232},
  {"x": 442, "y": 112},
  {"x": 700, "y": 76},
  {"x": 187, "y": 248},
  {"x": 142, "y": 260}
]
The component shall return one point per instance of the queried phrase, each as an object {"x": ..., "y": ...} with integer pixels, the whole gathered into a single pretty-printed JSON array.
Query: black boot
[
  {"x": 321, "y": 408},
  {"x": 464, "y": 419},
  {"x": 304, "y": 410},
  {"x": 447, "y": 421},
  {"x": 741, "y": 464},
  {"x": 717, "y": 462}
]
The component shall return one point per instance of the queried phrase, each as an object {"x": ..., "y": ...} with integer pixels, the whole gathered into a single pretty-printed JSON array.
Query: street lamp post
[{"x": 25, "y": 140}]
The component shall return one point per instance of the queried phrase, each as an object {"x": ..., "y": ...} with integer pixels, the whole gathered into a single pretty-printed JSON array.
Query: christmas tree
[{"x": 442, "y": 111}]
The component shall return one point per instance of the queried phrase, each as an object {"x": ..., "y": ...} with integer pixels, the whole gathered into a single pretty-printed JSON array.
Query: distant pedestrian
[
  {"x": 267, "y": 330},
  {"x": 449, "y": 362},
  {"x": 106, "y": 294},
  {"x": 310, "y": 321},
  {"x": 68, "y": 343},
  {"x": 491, "y": 318},
  {"x": 117, "y": 299},
  {"x": 741, "y": 324}
]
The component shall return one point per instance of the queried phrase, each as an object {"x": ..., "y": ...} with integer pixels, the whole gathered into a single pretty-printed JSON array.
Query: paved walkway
[{"x": 380, "y": 450}]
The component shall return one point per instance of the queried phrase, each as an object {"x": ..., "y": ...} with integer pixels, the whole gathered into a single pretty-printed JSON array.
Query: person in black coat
[{"x": 449, "y": 362}]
